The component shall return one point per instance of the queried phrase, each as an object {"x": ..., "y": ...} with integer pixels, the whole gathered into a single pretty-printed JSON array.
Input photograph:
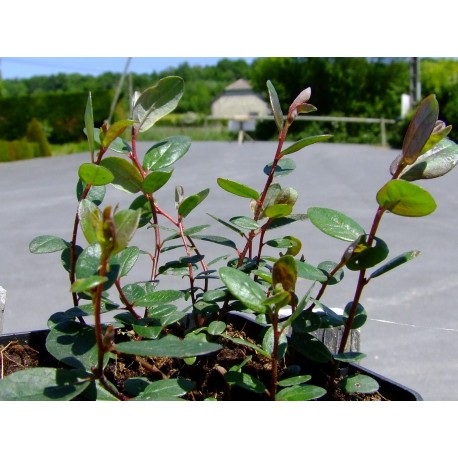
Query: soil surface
[{"x": 207, "y": 371}]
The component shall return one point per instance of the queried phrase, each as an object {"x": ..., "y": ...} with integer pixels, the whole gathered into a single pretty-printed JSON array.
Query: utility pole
[{"x": 415, "y": 81}]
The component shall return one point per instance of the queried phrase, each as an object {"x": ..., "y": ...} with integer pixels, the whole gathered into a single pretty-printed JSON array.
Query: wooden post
[
  {"x": 383, "y": 131},
  {"x": 2, "y": 306}
]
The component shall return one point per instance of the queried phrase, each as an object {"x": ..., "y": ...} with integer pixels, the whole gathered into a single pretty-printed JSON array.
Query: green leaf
[
  {"x": 327, "y": 267},
  {"x": 245, "y": 223},
  {"x": 157, "y": 101},
  {"x": 350, "y": 357},
  {"x": 435, "y": 163},
  {"x": 359, "y": 384},
  {"x": 311, "y": 347},
  {"x": 90, "y": 219},
  {"x": 168, "y": 346},
  {"x": 89, "y": 125},
  {"x": 243, "y": 288},
  {"x": 405, "y": 199},
  {"x": 165, "y": 390},
  {"x": 156, "y": 298},
  {"x": 360, "y": 255},
  {"x": 43, "y": 384},
  {"x": 284, "y": 271},
  {"x": 297, "y": 380},
  {"x": 306, "y": 322},
  {"x": 191, "y": 202},
  {"x": 166, "y": 152},
  {"x": 126, "y": 223},
  {"x": 309, "y": 272},
  {"x": 237, "y": 188},
  {"x": 216, "y": 328},
  {"x": 395, "y": 262},
  {"x": 440, "y": 132},
  {"x": 305, "y": 142},
  {"x": 280, "y": 222},
  {"x": 246, "y": 381},
  {"x": 217, "y": 239},
  {"x": 96, "y": 194},
  {"x": 156, "y": 180},
  {"x": 278, "y": 211},
  {"x": 142, "y": 203},
  {"x": 88, "y": 263},
  {"x": 151, "y": 331},
  {"x": 300, "y": 393},
  {"x": 74, "y": 344},
  {"x": 280, "y": 243},
  {"x": 126, "y": 175},
  {"x": 284, "y": 167},
  {"x": 268, "y": 343},
  {"x": 126, "y": 260},
  {"x": 335, "y": 224},
  {"x": 115, "y": 130},
  {"x": 95, "y": 174},
  {"x": 86, "y": 284},
  {"x": 276, "y": 107},
  {"x": 225, "y": 223},
  {"x": 47, "y": 244},
  {"x": 360, "y": 316},
  {"x": 255, "y": 347},
  {"x": 420, "y": 129}
]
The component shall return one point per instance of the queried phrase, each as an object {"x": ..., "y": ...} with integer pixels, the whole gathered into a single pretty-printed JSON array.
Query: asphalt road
[{"x": 411, "y": 335}]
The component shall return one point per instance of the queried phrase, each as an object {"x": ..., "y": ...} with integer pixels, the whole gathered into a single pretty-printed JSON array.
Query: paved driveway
[{"x": 412, "y": 332}]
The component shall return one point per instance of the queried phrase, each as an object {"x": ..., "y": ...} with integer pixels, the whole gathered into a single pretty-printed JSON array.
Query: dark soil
[{"x": 207, "y": 372}]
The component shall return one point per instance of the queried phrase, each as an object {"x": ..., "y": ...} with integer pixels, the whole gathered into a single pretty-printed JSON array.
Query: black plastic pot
[{"x": 389, "y": 389}]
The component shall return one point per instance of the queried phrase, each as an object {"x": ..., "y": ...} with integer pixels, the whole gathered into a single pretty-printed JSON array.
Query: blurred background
[{"x": 367, "y": 100}]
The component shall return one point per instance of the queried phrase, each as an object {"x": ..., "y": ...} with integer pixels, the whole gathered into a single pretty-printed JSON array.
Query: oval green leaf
[
  {"x": 438, "y": 161},
  {"x": 89, "y": 125},
  {"x": 420, "y": 129},
  {"x": 156, "y": 180},
  {"x": 157, "y": 101},
  {"x": 166, "y": 152},
  {"x": 47, "y": 244},
  {"x": 359, "y": 384},
  {"x": 284, "y": 167},
  {"x": 276, "y": 107},
  {"x": 168, "y": 346},
  {"x": 278, "y": 211},
  {"x": 395, "y": 262},
  {"x": 191, "y": 202},
  {"x": 165, "y": 390},
  {"x": 74, "y": 344},
  {"x": 405, "y": 199},
  {"x": 126, "y": 175},
  {"x": 243, "y": 288},
  {"x": 43, "y": 384},
  {"x": 305, "y": 142},
  {"x": 300, "y": 393},
  {"x": 244, "y": 222},
  {"x": 237, "y": 188},
  {"x": 361, "y": 256},
  {"x": 335, "y": 224},
  {"x": 126, "y": 223}
]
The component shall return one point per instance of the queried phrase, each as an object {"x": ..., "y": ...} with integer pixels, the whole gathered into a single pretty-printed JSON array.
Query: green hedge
[
  {"x": 18, "y": 149},
  {"x": 62, "y": 114}
]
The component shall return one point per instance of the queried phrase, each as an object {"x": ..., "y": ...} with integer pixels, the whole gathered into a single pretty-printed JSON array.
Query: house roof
[{"x": 238, "y": 85}]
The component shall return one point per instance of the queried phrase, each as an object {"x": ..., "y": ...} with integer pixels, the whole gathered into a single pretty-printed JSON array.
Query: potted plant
[{"x": 239, "y": 326}]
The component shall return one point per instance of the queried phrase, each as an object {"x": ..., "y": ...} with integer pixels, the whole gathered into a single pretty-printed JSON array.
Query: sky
[
  {"x": 26, "y": 67},
  {"x": 66, "y": 41}
]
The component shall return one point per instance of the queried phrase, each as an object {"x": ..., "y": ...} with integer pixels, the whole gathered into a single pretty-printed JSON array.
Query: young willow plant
[{"x": 259, "y": 278}]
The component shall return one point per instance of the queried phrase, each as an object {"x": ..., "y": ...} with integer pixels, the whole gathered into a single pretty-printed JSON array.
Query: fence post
[
  {"x": 383, "y": 131},
  {"x": 2, "y": 306}
]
